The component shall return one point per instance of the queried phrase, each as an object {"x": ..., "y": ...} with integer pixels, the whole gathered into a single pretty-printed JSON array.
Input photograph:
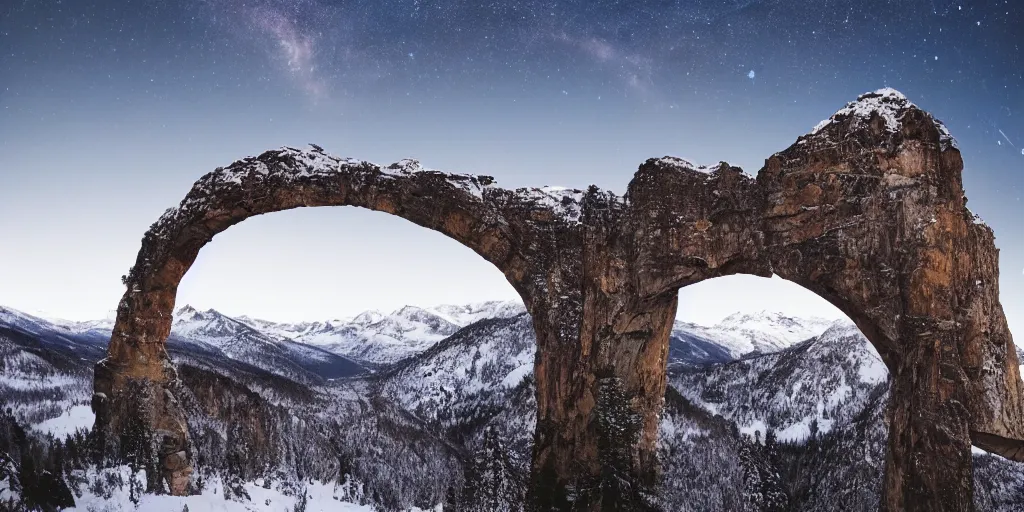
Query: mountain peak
[
  {"x": 189, "y": 313},
  {"x": 888, "y": 104},
  {"x": 841, "y": 327},
  {"x": 739, "y": 318},
  {"x": 465, "y": 314},
  {"x": 186, "y": 313},
  {"x": 745, "y": 333},
  {"x": 408, "y": 310},
  {"x": 368, "y": 317}
]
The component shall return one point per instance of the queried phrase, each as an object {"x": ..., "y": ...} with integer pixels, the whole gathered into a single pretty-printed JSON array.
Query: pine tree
[
  {"x": 302, "y": 503},
  {"x": 135, "y": 489},
  {"x": 763, "y": 487},
  {"x": 618, "y": 428},
  {"x": 771, "y": 447},
  {"x": 491, "y": 482}
]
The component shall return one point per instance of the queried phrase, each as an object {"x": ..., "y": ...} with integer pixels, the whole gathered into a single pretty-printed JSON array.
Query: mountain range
[
  {"x": 372, "y": 339},
  {"x": 764, "y": 411}
]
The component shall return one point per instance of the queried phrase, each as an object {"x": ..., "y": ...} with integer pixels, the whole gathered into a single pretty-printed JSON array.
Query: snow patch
[
  {"x": 516, "y": 376},
  {"x": 79, "y": 417},
  {"x": 755, "y": 427},
  {"x": 566, "y": 203},
  {"x": 872, "y": 370}
]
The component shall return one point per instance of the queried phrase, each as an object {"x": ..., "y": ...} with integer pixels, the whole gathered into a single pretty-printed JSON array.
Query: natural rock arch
[{"x": 867, "y": 211}]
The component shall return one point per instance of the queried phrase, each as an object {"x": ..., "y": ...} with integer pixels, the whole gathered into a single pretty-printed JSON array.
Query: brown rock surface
[{"x": 867, "y": 211}]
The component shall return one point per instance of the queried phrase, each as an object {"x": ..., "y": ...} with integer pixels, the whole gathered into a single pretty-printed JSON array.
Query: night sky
[{"x": 109, "y": 110}]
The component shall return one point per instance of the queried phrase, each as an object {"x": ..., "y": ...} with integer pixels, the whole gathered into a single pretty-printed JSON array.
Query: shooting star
[{"x": 1007, "y": 138}]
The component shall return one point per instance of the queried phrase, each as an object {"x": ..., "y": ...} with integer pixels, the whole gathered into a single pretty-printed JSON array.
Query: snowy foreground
[{"x": 118, "y": 496}]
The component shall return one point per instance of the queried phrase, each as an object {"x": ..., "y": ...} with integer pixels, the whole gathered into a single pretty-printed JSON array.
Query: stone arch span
[{"x": 868, "y": 211}]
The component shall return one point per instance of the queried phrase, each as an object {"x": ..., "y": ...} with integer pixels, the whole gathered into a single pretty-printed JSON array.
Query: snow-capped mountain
[
  {"x": 239, "y": 341},
  {"x": 373, "y": 339},
  {"x": 473, "y": 374},
  {"x": 740, "y": 335},
  {"x": 194, "y": 333},
  {"x": 463, "y": 315},
  {"x": 377, "y": 339},
  {"x": 53, "y": 332},
  {"x": 370, "y": 337}
]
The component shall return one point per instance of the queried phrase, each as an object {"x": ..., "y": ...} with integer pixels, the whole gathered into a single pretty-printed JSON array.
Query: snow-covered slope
[
  {"x": 482, "y": 375},
  {"x": 39, "y": 380},
  {"x": 808, "y": 386},
  {"x": 468, "y": 378},
  {"x": 217, "y": 496},
  {"x": 473, "y": 373}
]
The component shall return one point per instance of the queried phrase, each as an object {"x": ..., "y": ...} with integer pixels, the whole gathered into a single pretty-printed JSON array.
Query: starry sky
[{"x": 109, "y": 110}]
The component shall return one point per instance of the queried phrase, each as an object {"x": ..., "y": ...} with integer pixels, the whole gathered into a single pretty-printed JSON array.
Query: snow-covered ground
[
  {"x": 320, "y": 497},
  {"x": 75, "y": 418}
]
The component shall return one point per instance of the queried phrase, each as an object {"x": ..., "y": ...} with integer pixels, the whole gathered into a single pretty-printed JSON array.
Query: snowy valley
[{"x": 430, "y": 408}]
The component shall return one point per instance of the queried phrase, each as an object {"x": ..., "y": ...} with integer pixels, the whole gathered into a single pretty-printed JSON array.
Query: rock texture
[{"x": 867, "y": 211}]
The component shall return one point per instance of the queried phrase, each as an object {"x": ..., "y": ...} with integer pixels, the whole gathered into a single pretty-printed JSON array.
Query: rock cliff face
[{"x": 867, "y": 211}]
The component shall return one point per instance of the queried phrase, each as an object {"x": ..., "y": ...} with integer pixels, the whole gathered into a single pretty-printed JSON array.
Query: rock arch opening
[
  {"x": 248, "y": 381},
  {"x": 777, "y": 414},
  {"x": 769, "y": 387},
  {"x": 137, "y": 386}
]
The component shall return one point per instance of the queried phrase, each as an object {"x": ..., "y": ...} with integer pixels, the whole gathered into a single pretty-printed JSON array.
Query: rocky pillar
[
  {"x": 599, "y": 403},
  {"x": 928, "y": 459},
  {"x": 138, "y": 417}
]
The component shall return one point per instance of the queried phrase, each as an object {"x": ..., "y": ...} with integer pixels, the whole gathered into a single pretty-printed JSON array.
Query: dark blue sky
[{"x": 110, "y": 109}]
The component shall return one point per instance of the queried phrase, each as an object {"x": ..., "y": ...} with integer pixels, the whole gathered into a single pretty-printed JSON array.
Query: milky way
[
  {"x": 295, "y": 49},
  {"x": 642, "y": 49}
]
